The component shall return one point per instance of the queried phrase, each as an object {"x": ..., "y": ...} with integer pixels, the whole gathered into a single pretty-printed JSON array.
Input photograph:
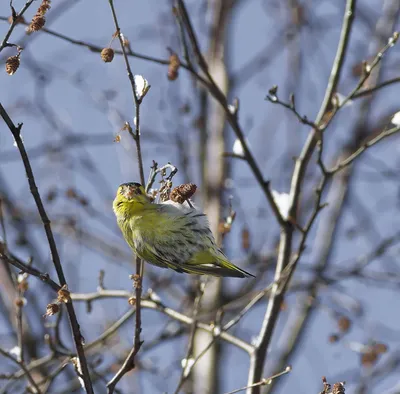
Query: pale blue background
[{"x": 61, "y": 89}]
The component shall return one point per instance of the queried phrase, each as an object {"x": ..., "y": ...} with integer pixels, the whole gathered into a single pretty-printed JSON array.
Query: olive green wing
[{"x": 155, "y": 256}]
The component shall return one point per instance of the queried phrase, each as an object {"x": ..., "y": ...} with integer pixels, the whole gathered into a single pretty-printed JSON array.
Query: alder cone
[{"x": 183, "y": 192}]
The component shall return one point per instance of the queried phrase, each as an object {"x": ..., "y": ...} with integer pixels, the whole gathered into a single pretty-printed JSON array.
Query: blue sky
[{"x": 62, "y": 90}]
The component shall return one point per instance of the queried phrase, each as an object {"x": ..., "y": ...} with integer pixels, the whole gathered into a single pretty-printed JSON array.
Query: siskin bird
[{"x": 170, "y": 235}]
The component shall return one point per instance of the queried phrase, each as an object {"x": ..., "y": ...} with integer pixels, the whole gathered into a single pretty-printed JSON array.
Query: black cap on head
[
  {"x": 131, "y": 184},
  {"x": 130, "y": 189}
]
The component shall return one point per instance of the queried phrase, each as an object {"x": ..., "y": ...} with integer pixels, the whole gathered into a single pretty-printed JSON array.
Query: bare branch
[
  {"x": 373, "y": 141},
  {"x": 232, "y": 118},
  {"x": 368, "y": 68},
  {"x": 16, "y": 18},
  {"x": 129, "y": 363},
  {"x": 274, "y": 99},
  {"x": 16, "y": 132},
  {"x": 23, "y": 367},
  {"x": 158, "y": 306},
  {"x": 367, "y": 91},
  {"x": 263, "y": 382},
  {"x": 257, "y": 359}
]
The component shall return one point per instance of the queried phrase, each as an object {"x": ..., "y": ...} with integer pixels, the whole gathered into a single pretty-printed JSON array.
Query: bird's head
[{"x": 131, "y": 198}]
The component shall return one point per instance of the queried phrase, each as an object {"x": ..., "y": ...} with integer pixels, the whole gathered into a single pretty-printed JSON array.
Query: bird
[{"x": 170, "y": 235}]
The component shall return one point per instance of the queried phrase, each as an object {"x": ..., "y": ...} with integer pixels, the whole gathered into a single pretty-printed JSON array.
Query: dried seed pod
[
  {"x": 338, "y": 388},
  {"x": 380, "y": 348},
  {"x": 37, "y": 23},
  {"x": 344, "y": 324},
  {"x": 174, "y": 64},
  {"x": 107, "y": 54},
  {"x": 223, "y": 228},
  {"x": 71, "y": 193},
  {"x": 369, "y": 358},
  {"x": 63, "y": 295},
  {"x": 44, "y": 7},
  {"x": 23, "y": 286},
  {"x": 245, "y": 239},
  {"x": 333, "y": 338},
  {"x": 51, "y": 310},
  {"x": 20, "y": 302},
  {"x": 137, "y": 281},
  {"x": 183, "y": 192},
  {"x": 327, "y": 386},
  {"x": 83, "y": 201},
  {"x": 51, "y": 195},
  {"x": 12, "y": 64}
]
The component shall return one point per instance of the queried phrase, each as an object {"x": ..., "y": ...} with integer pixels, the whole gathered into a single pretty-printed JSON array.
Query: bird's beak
[{"x": 129, "y": 192}]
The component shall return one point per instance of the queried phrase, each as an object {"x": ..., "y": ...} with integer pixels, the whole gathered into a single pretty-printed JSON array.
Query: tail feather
[
  {"x": 207, "y": 263},
  {"x": 215, "y": 271},
  {"x": 234, "y": 269}
]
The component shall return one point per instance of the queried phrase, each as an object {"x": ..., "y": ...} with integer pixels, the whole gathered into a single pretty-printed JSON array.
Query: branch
[
  {"x": 160, "y": 307},
  {"x": 23, "y": 367},
  {"x": 273, "y": 98},
  {"x": 187, "y": 367},
  {"x": 368, "y": 68},
  {"x": 216, "y": 92},
  {"x": 155, "y": 170},
  {"x": 129, "y": 363},
  {"x": 34, "y": 364},
  {"x": 16, "y": 132},
  {"x": 263, "y": 382},
  {"x": 10, "y": 259},
  {"x": 16, "y": 18},
  {"x": 365, "y": 92},
  {"x": 111, "y": 330},
  {"x": 344, "y": 163},
  {"x": 257, "y": 359}
]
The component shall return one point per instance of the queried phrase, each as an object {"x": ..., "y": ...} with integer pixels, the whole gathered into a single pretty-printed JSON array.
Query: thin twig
[
  {"x": 13, "y": 260},
  {"x": 37, "y": 363},
  {"x": 129, "y": 363},
  {"x": 111, "y": 330},
  {"x": 187, "y": 367},
  {"x": 367, "y": 91},
  {"x": 184, "y": 44},
  {"x": 155, "y": 171},
  {"x": 16, "y": 132},
  {"x": 3, "y": 226},
  {"x": 344, "y": 163},
  {"x": 274, "y": 99},
  {"x": 234, "y": 156},
  {"x": 44, "y": 277},
  {"x": 160, "y": 307},
  {"x": 129, "y": 52},
  {"x": 49, "y": 380},
  {"x": 263, "y": 382},
  {"x": 368, "y": 68},
  {"x": 16, "y": 18},
  {"x": 23, "y": 367},
  {"x": 20, "y": 333}
]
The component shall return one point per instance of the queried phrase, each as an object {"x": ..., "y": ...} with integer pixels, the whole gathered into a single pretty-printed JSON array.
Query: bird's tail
[{"x": 206, "y": 263}]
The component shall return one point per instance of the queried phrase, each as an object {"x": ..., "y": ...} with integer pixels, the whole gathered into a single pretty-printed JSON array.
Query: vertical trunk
[{"x": 205, "y": 372}]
